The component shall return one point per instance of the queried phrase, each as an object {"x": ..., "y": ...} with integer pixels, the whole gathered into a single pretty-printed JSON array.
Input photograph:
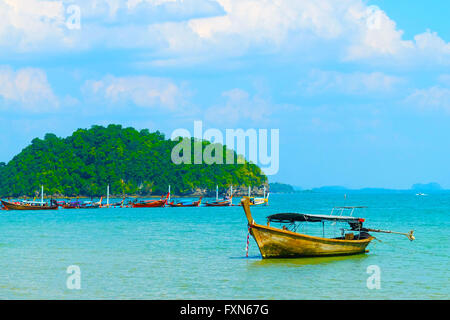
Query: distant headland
[
  {"x": 432, "y": 187},
  {"x": 131, "y": 162}
]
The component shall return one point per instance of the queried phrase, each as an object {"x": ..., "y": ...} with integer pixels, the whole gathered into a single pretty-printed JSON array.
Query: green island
[
  {"x": 277, "y": 187},
  {"x": 131, "y": 162}
]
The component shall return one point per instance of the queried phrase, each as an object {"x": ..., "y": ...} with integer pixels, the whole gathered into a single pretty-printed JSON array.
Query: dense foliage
[{"x": 130, "y": 161}]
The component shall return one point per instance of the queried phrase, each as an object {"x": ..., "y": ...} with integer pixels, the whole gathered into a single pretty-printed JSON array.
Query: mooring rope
[{"x": 248, "y": 241}]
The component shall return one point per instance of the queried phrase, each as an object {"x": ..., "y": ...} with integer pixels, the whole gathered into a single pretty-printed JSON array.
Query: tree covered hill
[
  {"x": 130, "y": 161},
  {"x": 276, "y": 187}
]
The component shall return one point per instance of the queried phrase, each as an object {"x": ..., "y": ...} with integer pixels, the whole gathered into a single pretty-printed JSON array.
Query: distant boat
[
  {"x": 225, "y": 202},
  {"x": 219, "y": 203},
  {"x": 151, "y": 203},
  {"x": 31, "y": 205},
  {"x": 255, "y": 201},
  {"x": 82, "y": 205},
  {"x": 287, "y": 243},
  {"x": 421, "y": 194},
  {"x": 119, "y": 204},
  {"x": 186, "y": 204}
]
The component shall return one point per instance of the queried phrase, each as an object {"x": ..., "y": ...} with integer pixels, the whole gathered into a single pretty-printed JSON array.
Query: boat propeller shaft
[{"x": 409, "y": 235}]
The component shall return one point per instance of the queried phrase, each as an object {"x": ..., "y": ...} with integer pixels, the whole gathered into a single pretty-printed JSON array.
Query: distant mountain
[
  {"x": 276, "y": 187},
  {"x": 433, "y": 186},
  {"x": 340, "y": 189},
  {"x": 330, "y": 189}
]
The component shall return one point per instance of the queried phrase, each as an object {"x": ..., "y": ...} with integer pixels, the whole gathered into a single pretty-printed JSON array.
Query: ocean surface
[{"x": 199, "y": 253}]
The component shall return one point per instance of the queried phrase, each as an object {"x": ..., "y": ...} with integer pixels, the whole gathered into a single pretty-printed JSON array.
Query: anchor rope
[{"x": 248, "y": 242}]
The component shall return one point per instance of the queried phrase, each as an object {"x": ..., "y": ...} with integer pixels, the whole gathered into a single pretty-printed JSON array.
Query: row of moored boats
[{"x": 52, "y": 204}]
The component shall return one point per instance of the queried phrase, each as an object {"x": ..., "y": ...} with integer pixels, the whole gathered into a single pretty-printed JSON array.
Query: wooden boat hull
[
  {"x": 180, "y": 205},
  {"x": 81, "y": 207},
  {"x": 218, "y": 204},
  {"x": 153, "y": 204},
  {"x": 14, "y": 206},
  {"x": 278, "y": 243}
]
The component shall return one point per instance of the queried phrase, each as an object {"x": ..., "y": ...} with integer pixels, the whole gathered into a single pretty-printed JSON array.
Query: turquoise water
[{"x": 199, "y": 253}]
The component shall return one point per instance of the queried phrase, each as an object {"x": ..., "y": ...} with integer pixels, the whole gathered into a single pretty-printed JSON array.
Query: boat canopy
[{"x": 304, "y": 217}]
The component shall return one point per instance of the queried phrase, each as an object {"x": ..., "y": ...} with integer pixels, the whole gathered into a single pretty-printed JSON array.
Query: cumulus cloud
[
  {"x": 356, "y": 31},
  {"x": 174, "y": 29},
  {"x": 142, "y": 91},
  {"x": 26, "y": 89},
  {"x": 26, "y": 24},
  {"x": 433, "y": 98},
  {"x": 147, "y": 11}
]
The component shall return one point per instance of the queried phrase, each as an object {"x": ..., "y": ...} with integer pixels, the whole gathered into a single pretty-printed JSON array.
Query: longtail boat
[
  {"x": 259, "y": 201},
  {"x": 255, "y": 201},
  {"x": 29, "y": 205},
  {"x": 151, "y": 203},
  {"x": 219, "y": 203},
  {"x": 288, "y": 243},
  {"x": 225, "y": 202},
  {"x": 71, "y": 205},
  {"x": 119, "y": 204},
  {"x": 82, "y": 205},
  {"x": 186, "y": 204}
]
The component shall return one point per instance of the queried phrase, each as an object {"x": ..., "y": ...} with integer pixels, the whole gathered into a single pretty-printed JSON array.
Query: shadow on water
[{"x": 307, "y": 261}]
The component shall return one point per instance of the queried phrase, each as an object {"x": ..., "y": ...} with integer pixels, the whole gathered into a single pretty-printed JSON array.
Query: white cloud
[
  {"x": 41, "y": 26},
  {"x": 434, "y": 98},
  {"x": 146, "y": 11},
  {"x": 358, "y": 83},
  {"x": 27, "y": 89},
  {"x": 432, "y": 49},
  {"x": 239, "y": 105},
  {"x": 26, "y": 24},
  {"x": 374, "y": 33},
  {"x": 204, "y": 29},
  {"x": 142, "y": 91},
  {"x": 347, "y": 29}
]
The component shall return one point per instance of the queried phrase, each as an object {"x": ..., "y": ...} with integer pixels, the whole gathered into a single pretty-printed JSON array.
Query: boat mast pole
[
  {"x": 107, "y": 196},
  {"x": 42, "y": 195},
  {"x": 217, "y": 193},
  {"x": 169, "y": 193},
  {"x": 249, "y": 191}
]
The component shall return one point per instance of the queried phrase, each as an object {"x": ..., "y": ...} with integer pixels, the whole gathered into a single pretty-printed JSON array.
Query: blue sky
[{"x": 360, "y": 90}]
